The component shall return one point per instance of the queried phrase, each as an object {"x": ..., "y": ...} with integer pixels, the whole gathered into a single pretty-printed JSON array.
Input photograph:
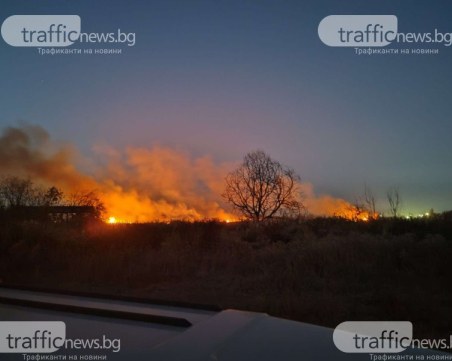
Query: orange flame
[{"x": 138, "y": 184}]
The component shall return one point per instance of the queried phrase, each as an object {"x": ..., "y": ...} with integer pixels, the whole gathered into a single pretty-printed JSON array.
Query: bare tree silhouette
[
  {"x": 369, "y": 202},
  {"x": 262, "y": 188},
  {"x": 394, "y": 201},
  {"x": 16, "y": 192}
]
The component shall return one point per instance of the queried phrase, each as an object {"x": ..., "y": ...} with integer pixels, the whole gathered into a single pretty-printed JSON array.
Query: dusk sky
[{"x": 222, "y": 78}]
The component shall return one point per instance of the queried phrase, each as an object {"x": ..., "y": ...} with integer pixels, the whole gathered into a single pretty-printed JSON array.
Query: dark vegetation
[{"x": 321, "y": 270}]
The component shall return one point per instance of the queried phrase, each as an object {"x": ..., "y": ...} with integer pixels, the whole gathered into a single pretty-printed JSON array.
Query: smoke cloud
[
  {"x": 28, "y": 151},
  {"x": 136, "y": 184}
]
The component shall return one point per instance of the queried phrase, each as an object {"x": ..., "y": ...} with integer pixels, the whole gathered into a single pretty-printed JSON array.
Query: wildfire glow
[{"x": 138, "y": 184}]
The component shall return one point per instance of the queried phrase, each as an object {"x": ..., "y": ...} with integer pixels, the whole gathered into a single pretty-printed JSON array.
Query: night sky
[{"x": 222, "y": 78}]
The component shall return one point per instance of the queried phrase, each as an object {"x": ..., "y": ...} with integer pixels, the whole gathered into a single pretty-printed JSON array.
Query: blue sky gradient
[{"x": 226, "y": 77}]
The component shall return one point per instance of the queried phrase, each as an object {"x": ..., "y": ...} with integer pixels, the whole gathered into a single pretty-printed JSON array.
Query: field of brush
[{"x": 322, "y": 271}]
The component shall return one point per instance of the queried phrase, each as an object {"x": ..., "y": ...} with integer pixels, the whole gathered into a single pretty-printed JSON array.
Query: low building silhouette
[{"x": 55, "y": 214}]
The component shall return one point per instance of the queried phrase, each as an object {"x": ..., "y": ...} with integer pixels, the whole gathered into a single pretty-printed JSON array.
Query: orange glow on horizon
[{"x": 144, "y": 184}]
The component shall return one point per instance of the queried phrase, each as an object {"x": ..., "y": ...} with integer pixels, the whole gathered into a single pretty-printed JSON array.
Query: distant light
[{"x": 112, "y": 220}]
